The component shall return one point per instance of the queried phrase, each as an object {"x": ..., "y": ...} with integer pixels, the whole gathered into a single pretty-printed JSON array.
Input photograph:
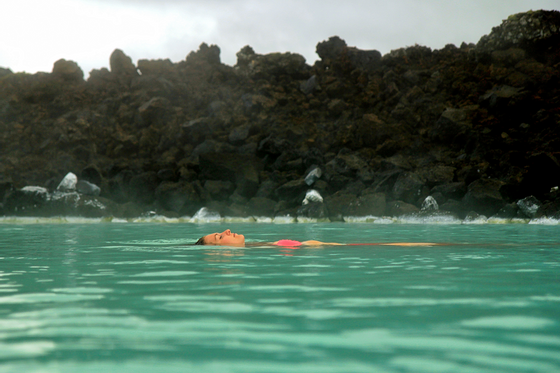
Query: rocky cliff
[{"x": 475, "y": 128}]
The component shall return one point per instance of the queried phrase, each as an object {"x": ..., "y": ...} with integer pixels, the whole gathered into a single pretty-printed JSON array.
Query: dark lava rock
[
  {"x": 121, "y": 64},
  {"x": 339, "y": 205},
  {"x": 521, "y": 28},
  {"x": 219, "y": 190},
  {"x": 454, "y": 125},
  {"x": 550, "y": 210},
  {"x": 180, "y": 197},
  {"x": 205, "y": 55},
  {"x": 292, "y": 192},
  {"x": 85, "y": 187},
  {"x": 509, "y": 211},
  {"x": 413, "y": 123},
  {"x": 27, "y": 201},
  {"x": 142, "y": 187},
  {"x": 313, "y": 210},
  {"x": 455, "y": 190},
  {"x": 484, "y": 197},
  {"x": 261, "y": 206},
  {"x": 370, "y": 204},
  {"x": 409, "y": 188},
  {"x": 400, "y": 208},
  {"x": 240, "y": 169},
  {"x": 68, "y": 71},
  {"x": 529, "y": 206},
  {"x": 331, "y": 48}
]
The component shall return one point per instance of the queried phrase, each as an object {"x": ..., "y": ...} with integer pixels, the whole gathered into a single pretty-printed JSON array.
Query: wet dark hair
[{"x": 200, "y": 241}]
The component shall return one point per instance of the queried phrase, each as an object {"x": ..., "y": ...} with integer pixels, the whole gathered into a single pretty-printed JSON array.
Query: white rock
[
  {"x": 68, "y": 183},
  {"x": 313, "y": 176},
  {"x": 35, "y": 189},
  {"x": 312, "y": 196}
]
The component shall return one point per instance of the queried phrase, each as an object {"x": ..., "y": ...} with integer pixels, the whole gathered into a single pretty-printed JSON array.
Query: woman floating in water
[{"x": 228, "y": 238}]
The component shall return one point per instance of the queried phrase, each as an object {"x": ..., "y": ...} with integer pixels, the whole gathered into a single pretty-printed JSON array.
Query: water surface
[{"x": 108, "y": 297}]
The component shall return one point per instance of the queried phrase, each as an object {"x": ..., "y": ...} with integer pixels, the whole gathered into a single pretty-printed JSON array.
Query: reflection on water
[{"x": 93, "y": 298}]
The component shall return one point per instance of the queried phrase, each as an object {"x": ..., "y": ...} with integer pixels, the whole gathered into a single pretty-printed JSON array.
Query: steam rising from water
[{"x": 204, "y": 216}]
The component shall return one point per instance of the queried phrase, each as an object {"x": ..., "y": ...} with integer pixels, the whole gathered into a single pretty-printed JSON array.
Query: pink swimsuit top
[{"x": 288, "y": 243}]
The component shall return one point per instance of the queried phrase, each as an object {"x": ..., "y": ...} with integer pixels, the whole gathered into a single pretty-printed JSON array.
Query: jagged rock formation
[{"x": 476, "y": 127}]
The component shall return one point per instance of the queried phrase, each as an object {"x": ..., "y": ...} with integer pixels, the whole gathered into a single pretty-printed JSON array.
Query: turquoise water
[{"x": 110, "y": 297}]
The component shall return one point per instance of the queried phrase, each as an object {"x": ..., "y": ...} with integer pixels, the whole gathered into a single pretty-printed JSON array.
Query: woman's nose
[{"x": 227, "y": 232}]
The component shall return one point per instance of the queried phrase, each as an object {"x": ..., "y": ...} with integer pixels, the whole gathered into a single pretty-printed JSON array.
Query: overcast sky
[{"x": 36, "y": 33}]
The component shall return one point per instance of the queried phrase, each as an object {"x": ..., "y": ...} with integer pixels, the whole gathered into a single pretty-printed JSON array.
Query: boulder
[
  {"x": 238, "y": 135},
  {"x": 310, "y": 85},
  {"x": 244, "y": 57},
  {"x": 437, "y": 174},
  {"x": 68, "y": 71},
  {"x": 27, "y": 201},
  {"x": 241, "y": 169},
  {"x": 373, "y": 204},
  {"x": 313, "y": 175},
  {"x": 267, "y": 189},
  {"x": 452, "y": 205},
  {"x": 313, "y": 210},
  {"x": 205, "y": 55},
  {"x": 118, "y": 186},
  {"x": 261, "y": 206},
  {"x": 4, "y": 72},
  {"x": 346, "y": 165},
  {"x": 68, "y": 183},
  {"x": 219, "y": 190},
  {"x": 409, "y": 188},
  {"x": 509, "y": 57},
  {"x": 509, "y": 211},
  {"x": 453, "y": 190},
  {"x": 543, "y": 173},
  {"x": 155, "y": 67},
  {"x": 166, "y": 174},
  {"x": 87, "y": 188},
  {"x": 154, "y": 112},
  {"x": 550, "y": 210},
  {"x": 363, "y": 59},
  {"x": 209, "y": 147},
  {"x": 259, "y": 66},
  {"x": 293, "y": 192},
  {"x": 121, "y": 64},
  {"x": 375, "y": 133},
  {"x": 339, "y": 205},
  {"x": 180, "y": 197},
  {"x": 142, "y": 187},
  {"x": 454, "y": 125},
  {"x": 529, "y": 206},
  {"x": 6, "y": 184},
  {"x": 500, "y": 97},
  {"x": 484, "y": 197},
  {"x": 521, "y": 29},
  {"x": 195, "y": 130},
  {"x": 400, "y": 208},
  {"x": 330, "y": 49}
]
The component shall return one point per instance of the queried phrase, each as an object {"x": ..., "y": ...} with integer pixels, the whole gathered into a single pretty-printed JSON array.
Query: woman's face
[{"x": 226, "y": 238}]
